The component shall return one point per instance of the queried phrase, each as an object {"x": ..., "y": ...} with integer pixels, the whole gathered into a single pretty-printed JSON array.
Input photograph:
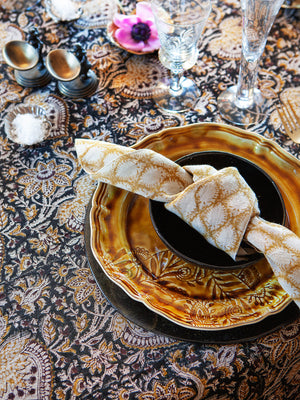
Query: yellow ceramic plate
[{"x": 126, "y": 246}]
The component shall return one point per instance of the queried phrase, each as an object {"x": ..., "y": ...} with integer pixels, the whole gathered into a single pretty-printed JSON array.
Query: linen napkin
[{"x": 219, "y": 204}]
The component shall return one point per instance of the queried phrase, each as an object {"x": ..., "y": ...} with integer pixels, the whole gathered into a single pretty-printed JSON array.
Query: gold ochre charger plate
[{"x": 128, "y": 250}]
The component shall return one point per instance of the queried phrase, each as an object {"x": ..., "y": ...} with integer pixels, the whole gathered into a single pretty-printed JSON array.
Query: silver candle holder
[
  {"x": 29, "y": 70},
  {"x": 74, "y": 76}
]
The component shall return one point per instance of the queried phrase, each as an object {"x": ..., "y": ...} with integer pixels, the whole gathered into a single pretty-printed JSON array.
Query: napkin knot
[{"x": 219, "y": 206}]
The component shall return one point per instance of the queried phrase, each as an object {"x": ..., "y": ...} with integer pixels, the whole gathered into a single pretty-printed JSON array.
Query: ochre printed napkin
[
  {"x": 144, "y": 171},
  {"x": 218, "y": 204}
]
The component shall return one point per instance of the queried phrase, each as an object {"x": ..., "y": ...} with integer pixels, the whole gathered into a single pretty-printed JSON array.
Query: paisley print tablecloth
[{"x": 59, "y": 336}]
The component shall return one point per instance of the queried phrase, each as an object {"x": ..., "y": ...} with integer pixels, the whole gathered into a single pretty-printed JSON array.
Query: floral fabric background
[{"x": 59, "y": 337}]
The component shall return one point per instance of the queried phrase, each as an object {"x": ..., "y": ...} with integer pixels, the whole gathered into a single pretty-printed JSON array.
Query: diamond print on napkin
[{"x": 219, "y": 207}]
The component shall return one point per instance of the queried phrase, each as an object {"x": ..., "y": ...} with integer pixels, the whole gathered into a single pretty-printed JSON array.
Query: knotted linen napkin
[{"x": 219, "y": 204}]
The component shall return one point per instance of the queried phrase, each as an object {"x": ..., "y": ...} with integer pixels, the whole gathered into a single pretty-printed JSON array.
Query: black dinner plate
[{"x": 190, "y": 245}]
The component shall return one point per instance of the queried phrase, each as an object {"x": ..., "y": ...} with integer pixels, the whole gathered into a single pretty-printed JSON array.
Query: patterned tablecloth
[{"x": 59, "y": 336}]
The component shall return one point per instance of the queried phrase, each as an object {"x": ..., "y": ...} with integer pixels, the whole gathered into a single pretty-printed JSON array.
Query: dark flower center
[{"x": 140, "y": 31}]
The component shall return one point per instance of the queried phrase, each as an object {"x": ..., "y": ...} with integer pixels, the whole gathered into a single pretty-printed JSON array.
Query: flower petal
[
  {"x": 144, "y": 11},
  {"x": 153, "y": 29},
  {"x": 125, "y": 39},
  {"x": 62, "y": 168},
  {"x": 126, "y": 21},
  {"x": 26, "y": 179},
  {"x": 152, "y": 44},
  {"x": 32, "y": 189},
  {"x": 61, "y": 180},
  {"x": 48, "y": 188}
]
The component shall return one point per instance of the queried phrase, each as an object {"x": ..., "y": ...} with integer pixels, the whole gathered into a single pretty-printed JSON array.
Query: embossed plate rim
[
  {"x": 169, "y": 132},
  {"x": 137, "y": 312}
]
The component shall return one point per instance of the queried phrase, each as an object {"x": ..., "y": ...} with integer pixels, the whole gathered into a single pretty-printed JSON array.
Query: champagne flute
[
  {"x": 179, "y": 25},
  {"x": 244, "y": 104}
]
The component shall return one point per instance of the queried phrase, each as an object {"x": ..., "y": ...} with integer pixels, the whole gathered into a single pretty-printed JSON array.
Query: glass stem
[
  {"x": 175, "y": 85},
  {"x": 246, "y": 82}
]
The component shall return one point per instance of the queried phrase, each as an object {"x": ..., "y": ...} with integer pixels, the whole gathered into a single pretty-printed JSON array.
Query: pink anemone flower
[{"x": 137, "y": 32}]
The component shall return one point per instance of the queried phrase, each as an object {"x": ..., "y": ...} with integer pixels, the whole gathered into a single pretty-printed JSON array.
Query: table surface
[{"x": 59, "y": 336}]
